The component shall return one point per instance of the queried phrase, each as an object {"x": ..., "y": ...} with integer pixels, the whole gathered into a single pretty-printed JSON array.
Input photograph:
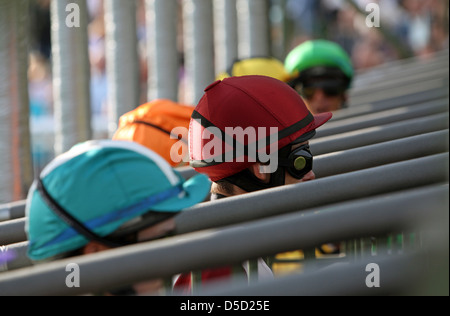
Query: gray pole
[
  {"x": 350, "y": 167},
  {"x": 419, "y": 76},
  {"x": 198, "y": 48},
  {"x": 253, "y": 28},
  {"x": 225, "y": 34},
  {"x": 376, "y": 134},
  {"x": 403, "y": 71},
  {"x": 384, "y": 117},
  {"x": 355, "y": 185},
  {"x": 390, "y": 93},
  {"x": 200, "y": 250},
  {"x": 162, "y": 50},
  {"x": 12, "y": 210},
  {"x": 381, "y": 154},
  {"x": 12, "y": 231},
  {"x": 320, "y": 146},
  {"x": 21, "y": 258},
  {"x": 383, "y": 105},
  {"x": 16, "y": 166},
  {"x": 71, "y": 73},
  {"x": 400, "y": 277},
  {"x": 121, "y": 60}
]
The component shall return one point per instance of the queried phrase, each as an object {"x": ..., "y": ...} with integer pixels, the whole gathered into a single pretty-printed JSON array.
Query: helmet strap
[{"x": 248, "y": 182}]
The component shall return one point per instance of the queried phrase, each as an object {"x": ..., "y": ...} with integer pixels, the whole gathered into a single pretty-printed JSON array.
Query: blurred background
[{"x": 61, "y": 85}]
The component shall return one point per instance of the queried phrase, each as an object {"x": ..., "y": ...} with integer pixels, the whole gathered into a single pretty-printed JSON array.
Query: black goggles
[
  {"x": 329, "y": 91},
  {"x": 331, "y": 88},
  {"x": 299, "y": 162}
]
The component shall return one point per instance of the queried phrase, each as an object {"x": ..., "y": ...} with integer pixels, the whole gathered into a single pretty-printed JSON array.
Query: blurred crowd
[
  {"x": 40, "y": 56},
  {"x": 417, "y": 28}
]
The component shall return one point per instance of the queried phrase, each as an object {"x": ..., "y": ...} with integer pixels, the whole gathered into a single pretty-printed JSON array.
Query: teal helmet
[{"x": 319, "y": 58}]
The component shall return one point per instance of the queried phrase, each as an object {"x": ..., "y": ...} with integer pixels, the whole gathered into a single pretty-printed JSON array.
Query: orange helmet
[{"x": 152, "y": 125}]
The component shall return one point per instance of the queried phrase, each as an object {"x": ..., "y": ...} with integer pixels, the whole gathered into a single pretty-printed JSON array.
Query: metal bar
[
  {"x": 407, "y": 72},
  {"x": 401, "y": 275},
  {"x": 252, "y": 270},
  {"x": 379, "y": 180},
  {"x": 395, "y": 92},
  {"x": 121, "y": 60},
  {"x": 12, "y": 231},
  {"x": 381, "y": 154},
  {"x": 71, "y": 74},
  {"x": 376, "y": 134},
  {"x": 309, "y": 255},
  {"x": 12, "y": 210},
  {"x": 196, "y": 282},
  {"x": 319, "y": 147},
  {"x": 163, "y": 55},
  {"x": 19, "y": 250},
  {"x": 390, "y": 81},
  {"x": 253, "y": 28},
  {"x": 382, "y": 118},
  {"x": 16, "y": 165},
  {"x": 225, "y": 34},
  {"x": 196, "y": 251},
  {"x": 332, "y": 189},
  {"x": 378, "y": 106},
  {"x": 349, "y": 250},
  {"x": 338, "y": 143},
  {"x": 198, "y": 47},
  {"x": 400, "y": 69}
]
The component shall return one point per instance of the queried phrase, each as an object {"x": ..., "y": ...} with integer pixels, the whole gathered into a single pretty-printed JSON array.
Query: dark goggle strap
[
  {"x": 160, "y": 129},
  {"x": 70, "y": 220}
]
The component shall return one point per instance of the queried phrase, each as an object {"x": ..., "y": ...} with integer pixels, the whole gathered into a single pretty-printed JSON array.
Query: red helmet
[{"x": 264, "y": 106}]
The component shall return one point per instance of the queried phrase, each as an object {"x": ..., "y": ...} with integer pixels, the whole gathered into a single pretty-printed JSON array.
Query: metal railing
[
  {"x": 382, "y": 191},
  {"x": 332, "y": 189},
  {"x": 232, "y": 245}
]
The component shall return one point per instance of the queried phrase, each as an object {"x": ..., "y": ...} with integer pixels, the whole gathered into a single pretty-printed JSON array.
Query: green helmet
[{"x": 319, "y": 54}]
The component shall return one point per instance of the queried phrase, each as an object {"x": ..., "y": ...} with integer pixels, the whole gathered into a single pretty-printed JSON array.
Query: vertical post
[
  {"x": 15, "y": 150},
  {"x": 71, "y": 73},
  {"x": 278, "y": 25},
  {"x": 162, "y": 50},
  {"x": 196, "y": 282},
  {"x": 121, "y": 59},
  {"x": 225, "y": 34},
  {"x": 198, "y": 47},
  {"x": 253, "y": 28},
  {"x": 252, "y": 271},
  {"x": 309, "y": 258}
]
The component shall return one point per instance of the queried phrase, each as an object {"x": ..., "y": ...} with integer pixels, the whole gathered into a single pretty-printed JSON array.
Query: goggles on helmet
[
  {"x": 330, "y": 87},
  {"x": 299, "y": 162},
  {"x": 329, "y": 91}
]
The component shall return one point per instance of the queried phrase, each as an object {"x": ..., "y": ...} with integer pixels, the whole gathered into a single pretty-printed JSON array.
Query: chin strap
[{"x": 248, "y": 182}]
